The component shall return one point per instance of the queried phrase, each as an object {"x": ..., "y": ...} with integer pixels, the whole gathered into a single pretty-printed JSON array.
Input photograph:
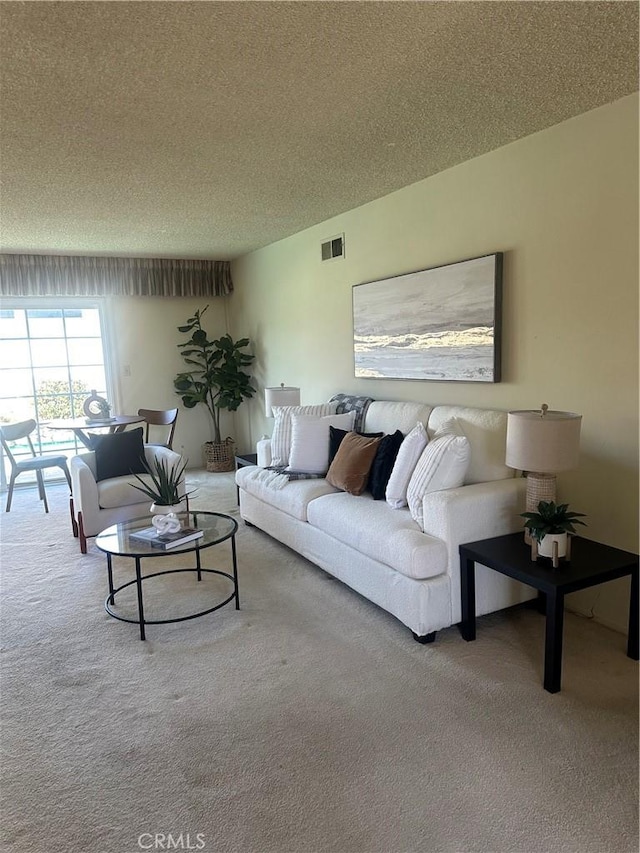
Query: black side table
[
  {"x": 241, "y": 462},
  {"x": 591, "y": 563}
]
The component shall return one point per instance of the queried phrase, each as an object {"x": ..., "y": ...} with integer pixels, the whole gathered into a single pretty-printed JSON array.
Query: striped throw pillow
[{"x": 281, "y": 438}]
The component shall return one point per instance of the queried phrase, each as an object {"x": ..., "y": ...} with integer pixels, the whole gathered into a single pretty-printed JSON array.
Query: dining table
[{"x": 81, "y": 426}]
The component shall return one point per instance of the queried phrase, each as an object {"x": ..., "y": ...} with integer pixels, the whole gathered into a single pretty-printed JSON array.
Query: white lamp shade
[
  {"x": 280, "y": 396},
  {"x": 544, "y": 443}
]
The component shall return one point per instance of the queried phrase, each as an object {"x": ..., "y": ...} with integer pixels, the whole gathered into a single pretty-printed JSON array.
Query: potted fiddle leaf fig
[
  {"x": 552, "y": 523},
  {"x": 216, "y": 378}
]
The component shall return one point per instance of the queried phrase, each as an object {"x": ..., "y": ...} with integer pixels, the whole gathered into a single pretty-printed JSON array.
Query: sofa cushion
[
  {"x": 281, "y": 438},
  {"x": 410, "y": 449},
  {"x": 442, "y": 465},
  {"x": 350, "y": 468},
  {"x": 372, "y": 527},
  {"x": 120, "y": 491},
  {"x": 310, "y": 440},
  {"x": 383, "y": 463},
  {"x": 118, "y": 454},
  {"x": 387, "y": 417},
  {"x": 293, "y": 499},
  {"x": 486, "y": 430}
]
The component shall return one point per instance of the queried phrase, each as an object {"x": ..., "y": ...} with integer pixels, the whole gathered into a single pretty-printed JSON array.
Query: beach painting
[{"x": 436, "y": 324}]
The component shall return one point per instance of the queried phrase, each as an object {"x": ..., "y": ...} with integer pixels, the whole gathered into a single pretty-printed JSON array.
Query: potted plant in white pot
[
  {"x": 215, "y": 378},
  {"x": 552, "y": 523},
  {"x": 164, "y": 486}
]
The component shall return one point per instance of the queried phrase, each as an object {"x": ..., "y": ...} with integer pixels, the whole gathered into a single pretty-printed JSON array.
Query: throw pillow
[
  {"x": 310, "y": 441},
  {"x": 442, "y": 465},
  {"x": 383, "y": 463},
  {"x": 336, "y": 435},
  {"x": 449, "y": 427},
  {"x": 350, "y": 468},
  {"x": 118, "y": 454},
  {"x": 281, "y": 438},
  {"x": 408, "y": 455}
]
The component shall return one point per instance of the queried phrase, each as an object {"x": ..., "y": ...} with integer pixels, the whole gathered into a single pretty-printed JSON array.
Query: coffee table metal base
[{"x": 138, "y": 581}]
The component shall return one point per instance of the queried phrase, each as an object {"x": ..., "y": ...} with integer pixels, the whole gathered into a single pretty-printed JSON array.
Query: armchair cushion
[{"x": 118, "y": 454}]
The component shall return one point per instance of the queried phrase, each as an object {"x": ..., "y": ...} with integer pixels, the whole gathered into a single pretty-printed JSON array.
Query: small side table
[
  {"x": 591, "y": 563},
  {"x": 241, "y": 462}
]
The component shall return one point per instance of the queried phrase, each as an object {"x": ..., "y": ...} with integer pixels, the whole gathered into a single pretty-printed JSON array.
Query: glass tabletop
[{"x": 117, "y": 539}]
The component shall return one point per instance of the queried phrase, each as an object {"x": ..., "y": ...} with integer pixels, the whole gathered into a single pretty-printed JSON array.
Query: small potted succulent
[
  {"x": 552, "y": 523},
  {"x": 164, "y": 488}
]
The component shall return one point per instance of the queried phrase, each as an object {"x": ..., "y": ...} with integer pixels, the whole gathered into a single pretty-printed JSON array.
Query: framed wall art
[{"x": 438, "y": 324}]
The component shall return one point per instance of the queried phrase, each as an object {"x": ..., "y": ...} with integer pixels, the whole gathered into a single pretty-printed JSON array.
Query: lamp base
[{"x": 540, "y": 487}]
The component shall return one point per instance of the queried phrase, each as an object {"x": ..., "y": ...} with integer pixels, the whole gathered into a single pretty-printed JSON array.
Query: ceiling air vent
[{"x": 333, "y": 248}]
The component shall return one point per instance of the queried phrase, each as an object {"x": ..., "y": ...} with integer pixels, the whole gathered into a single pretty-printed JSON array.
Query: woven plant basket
[{"x": 220, "y": 457}]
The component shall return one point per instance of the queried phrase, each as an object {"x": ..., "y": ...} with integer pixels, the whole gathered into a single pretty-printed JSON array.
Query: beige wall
[
  {"x": 144, "y": 337},
  {"x": 563, "y": 207}
]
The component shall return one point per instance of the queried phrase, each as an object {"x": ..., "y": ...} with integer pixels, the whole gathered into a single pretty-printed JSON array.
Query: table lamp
[
  {"x": 280, "y": 396},
  {"x": 541, "y": 443}
]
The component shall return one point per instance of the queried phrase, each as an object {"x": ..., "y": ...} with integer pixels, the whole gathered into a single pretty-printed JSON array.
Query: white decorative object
[
  {"x": 165, "y": 523},
  {"x": 96, "y": 408}
]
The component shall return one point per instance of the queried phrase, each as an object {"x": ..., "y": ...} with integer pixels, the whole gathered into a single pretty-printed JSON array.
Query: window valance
[{"x": 65, "y": 275}]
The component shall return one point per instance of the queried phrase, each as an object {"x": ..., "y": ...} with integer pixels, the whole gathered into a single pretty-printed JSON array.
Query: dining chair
[
  {"x": 9, "y": 434},
  {"x": 160, "y": 418}
]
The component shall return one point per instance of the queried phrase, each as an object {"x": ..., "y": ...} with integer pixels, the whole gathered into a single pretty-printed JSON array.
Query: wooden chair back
[{"x": 160, "y": 418}]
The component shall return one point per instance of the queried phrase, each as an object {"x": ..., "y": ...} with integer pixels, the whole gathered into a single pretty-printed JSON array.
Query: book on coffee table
[{"x": 166, "y": 540}]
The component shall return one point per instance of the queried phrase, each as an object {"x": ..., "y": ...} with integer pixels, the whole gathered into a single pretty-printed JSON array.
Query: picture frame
[{"x": 439, "y": 324}]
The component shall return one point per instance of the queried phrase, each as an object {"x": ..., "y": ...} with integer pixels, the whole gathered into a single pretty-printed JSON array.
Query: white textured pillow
[
  {"x": 281, "y": 438},
  {"x": 410, "y": 449},
  {"x": 310, "y": 441},
  {"x": 449, "y": 427},
  {"x": 442, "y": 465}
]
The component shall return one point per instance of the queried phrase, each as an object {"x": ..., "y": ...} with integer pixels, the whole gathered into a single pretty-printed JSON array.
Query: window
[{"x": 52, "y": 355}]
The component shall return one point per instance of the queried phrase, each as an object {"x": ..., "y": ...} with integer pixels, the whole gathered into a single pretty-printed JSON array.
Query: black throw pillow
[
  {"x": 336, "y": 435},
  {"x": 382, "y": 464},
  {"x": 118, "y": 454}
]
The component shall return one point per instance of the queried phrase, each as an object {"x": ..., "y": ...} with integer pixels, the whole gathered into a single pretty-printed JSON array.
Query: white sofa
[{"x": 381, "y": 552}]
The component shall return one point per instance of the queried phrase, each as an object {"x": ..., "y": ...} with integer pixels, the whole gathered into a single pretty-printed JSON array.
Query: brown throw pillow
[{"x": 349, "y": 470}]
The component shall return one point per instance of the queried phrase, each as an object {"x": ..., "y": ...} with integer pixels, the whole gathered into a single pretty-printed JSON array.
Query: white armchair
[{"x": 96, "y": 505}]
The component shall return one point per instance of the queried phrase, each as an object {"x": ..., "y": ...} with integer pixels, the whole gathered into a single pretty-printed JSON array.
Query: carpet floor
[{"x": 308, "y": 721}]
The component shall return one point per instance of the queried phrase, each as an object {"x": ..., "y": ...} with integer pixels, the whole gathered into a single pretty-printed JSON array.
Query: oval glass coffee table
[{"x": 116, "y": 541}]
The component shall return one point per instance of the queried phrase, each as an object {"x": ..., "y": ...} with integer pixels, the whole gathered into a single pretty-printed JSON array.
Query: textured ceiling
[{"x": 208, "y": 129}]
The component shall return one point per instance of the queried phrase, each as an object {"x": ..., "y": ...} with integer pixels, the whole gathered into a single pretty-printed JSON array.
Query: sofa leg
[
  {"x": 424, "y": 638},
  {"x": 81, "y": 535}
]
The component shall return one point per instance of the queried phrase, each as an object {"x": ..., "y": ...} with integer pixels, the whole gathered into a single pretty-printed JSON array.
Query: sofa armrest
[
  {"x": 478, "y": 511},
  {"x": 474, "y": 512},
  {"x": 158, "y": 451},
  {"x": 84, "y": 488}
]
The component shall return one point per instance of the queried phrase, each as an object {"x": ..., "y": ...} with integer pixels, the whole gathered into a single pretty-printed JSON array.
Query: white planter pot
[
  {"x": 545, "y": 547},
  {"x": 160, "y": 509}
]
